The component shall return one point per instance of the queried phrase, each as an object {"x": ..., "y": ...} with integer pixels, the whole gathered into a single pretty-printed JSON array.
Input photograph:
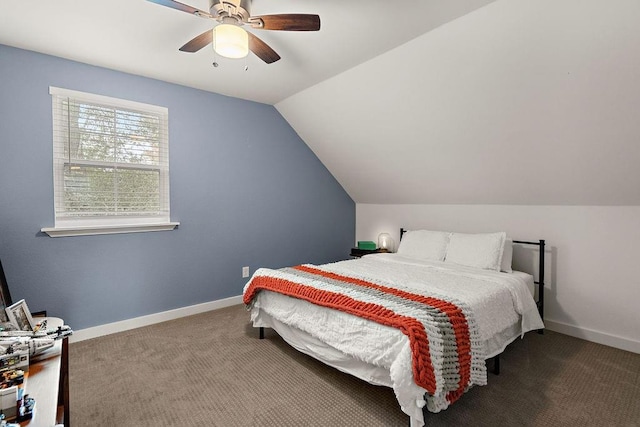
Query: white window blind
[{"x": 111, "y": 161}]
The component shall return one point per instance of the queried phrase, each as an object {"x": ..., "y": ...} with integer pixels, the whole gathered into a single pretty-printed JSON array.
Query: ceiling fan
[{"x": 232, "y": 15}]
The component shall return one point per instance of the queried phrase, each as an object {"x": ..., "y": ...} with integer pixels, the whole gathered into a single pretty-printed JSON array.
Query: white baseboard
[
  {"x": 137, "y": 322},
  {"x": 594, "y": 336}
]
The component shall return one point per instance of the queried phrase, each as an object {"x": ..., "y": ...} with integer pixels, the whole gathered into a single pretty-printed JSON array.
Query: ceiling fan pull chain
[{"x": 213, "y": 45}]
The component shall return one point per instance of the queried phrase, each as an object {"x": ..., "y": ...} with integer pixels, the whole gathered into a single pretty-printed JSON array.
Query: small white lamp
[{"x": 385, "y": 242}]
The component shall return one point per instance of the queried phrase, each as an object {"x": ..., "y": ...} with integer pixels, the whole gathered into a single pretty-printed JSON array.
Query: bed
[{"x": 422, "y": 321}]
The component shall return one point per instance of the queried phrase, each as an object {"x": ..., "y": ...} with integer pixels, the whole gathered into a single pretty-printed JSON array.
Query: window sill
[{"x": 108, "y": 229}]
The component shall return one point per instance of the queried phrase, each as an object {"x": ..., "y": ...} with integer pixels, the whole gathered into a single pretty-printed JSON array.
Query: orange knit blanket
[{"x": 446, "y": 316}]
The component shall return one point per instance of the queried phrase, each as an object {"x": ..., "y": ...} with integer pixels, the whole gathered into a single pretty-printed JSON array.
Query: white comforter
[{"x": 498, "y": 300}]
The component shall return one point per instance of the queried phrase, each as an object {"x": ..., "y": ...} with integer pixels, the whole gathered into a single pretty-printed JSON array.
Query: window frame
[{"x": 74, "y": 225}]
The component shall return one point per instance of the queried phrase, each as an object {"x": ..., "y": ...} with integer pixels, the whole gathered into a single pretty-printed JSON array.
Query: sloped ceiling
[{"x": 533, "y": 102}]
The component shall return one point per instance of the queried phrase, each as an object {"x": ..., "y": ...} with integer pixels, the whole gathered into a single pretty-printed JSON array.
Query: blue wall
[{"x": 245, "y": 188}]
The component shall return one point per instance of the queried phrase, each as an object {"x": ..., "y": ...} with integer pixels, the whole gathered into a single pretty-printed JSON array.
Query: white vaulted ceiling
[{"x": 414, "y": 102}]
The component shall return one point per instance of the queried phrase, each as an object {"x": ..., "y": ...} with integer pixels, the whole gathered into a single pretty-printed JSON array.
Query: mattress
[{"x": 502, "y": 302}]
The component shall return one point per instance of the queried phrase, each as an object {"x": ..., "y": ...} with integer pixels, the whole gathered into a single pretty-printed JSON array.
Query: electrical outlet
[{"x": 245, "y": 272}]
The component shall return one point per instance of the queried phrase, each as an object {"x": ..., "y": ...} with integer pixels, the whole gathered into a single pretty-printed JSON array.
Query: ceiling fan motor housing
[{"x": 240, "y": 10}]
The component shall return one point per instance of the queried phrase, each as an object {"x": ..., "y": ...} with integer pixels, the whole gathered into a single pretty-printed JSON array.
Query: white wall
[
  {"x": 592, "y": 276},
  {"x": 528, "y": 102}
]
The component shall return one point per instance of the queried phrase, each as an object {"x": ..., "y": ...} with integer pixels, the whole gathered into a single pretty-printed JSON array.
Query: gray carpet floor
[{"x": 212, "y": 370}]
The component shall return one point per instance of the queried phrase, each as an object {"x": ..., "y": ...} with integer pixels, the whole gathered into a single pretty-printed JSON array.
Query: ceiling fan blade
[
  {"x": 262, "y": 50},
  {"x": 286, "y": 22},
  {"x": 182, "y": 7},
  {"x": 198, "y": 42}
]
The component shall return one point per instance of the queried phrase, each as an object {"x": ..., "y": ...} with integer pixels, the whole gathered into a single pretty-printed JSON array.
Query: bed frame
[{"x": 540, "y": 303}]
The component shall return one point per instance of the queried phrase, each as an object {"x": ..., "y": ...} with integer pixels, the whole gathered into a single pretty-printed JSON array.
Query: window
[{"x": 110, "y": 165}]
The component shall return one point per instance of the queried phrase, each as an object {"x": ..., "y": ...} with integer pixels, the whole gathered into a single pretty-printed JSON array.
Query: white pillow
[
  {"x": 424, "y": 244},
  {"x": 507, "y": 256},
  {"x": 476, "y": 250}
]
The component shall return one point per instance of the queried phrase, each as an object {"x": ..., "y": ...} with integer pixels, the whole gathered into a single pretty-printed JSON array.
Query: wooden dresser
[{"x": 48, "y": 382}]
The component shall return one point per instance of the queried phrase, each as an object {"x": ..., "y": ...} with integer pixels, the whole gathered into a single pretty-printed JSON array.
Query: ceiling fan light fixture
[{"x": 230, "y": 41}]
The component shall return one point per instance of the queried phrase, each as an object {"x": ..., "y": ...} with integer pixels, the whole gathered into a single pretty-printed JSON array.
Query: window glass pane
[
  {"x": 138, "y": 191},
  {"x": 91, "y": 133},
  {"x": 89, "y": 191},
  {"x": 112, "y": 135},
  {"x": 137, "y": 138}
]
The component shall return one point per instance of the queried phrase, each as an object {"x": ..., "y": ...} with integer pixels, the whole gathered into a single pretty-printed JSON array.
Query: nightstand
[{"x": 355, "y": 252}]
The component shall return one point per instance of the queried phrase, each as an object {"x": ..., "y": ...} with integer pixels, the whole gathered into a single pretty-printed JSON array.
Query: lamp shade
[
  {"x": 230, "y": 41},
  {"x": 385, "y": 242}
]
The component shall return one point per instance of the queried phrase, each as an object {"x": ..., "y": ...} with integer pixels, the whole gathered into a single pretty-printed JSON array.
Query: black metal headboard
[{"x": 540, "y": 282}]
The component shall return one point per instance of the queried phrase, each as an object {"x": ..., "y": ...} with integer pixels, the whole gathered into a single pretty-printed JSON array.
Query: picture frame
[
  {"x": 5, "y": 296},
  {"x": 20, "y": 316}
]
